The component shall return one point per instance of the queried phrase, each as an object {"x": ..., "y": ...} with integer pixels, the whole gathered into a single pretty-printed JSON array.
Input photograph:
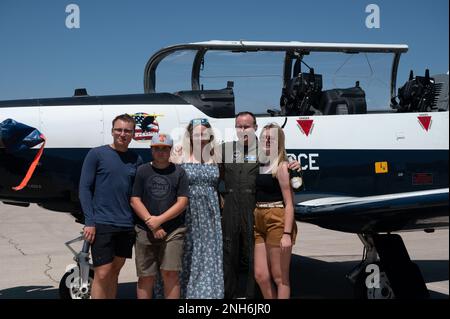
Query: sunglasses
[{"x": 195, "y": 122}]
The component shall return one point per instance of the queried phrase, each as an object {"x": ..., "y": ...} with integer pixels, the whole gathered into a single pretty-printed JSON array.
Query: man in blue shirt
[{"x": 106, "y": 183}]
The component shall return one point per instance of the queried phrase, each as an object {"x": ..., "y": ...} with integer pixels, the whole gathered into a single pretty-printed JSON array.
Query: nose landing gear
[{"x": 77, "y": 281}]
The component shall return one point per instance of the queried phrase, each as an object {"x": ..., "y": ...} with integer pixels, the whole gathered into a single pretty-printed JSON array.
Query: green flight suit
[{"x": 239, "y": 171}]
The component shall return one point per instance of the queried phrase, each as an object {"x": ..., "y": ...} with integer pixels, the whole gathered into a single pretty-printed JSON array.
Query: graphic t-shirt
[{"x": 159, "y": 190}]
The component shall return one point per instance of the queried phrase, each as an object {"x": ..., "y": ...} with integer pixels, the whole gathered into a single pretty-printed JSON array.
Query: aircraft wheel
[
  {"x": 69, "y": 287},
  {"x": 383, "y": 291}
]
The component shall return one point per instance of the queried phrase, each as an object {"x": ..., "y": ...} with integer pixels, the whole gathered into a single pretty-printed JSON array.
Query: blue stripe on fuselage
[
  {"x": 348, "y": 172},
  {"x": 352, "y": 172}
]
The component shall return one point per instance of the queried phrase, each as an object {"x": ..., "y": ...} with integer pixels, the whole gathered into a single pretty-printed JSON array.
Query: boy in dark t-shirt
[{"x": 159, "y": 198}]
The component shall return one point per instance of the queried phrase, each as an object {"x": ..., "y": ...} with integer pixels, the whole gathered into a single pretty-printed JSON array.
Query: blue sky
[{"x": 40, "y": 57}]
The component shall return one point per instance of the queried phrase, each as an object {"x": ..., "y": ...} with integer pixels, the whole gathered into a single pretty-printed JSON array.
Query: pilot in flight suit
[{"x": 239, "y": 171}]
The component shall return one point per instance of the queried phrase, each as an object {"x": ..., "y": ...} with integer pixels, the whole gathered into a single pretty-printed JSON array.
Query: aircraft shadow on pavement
[
  {"x": 310, "y": 279},
  {"x": 316, "y": 279},
  {"x": 124, "y": 291},
  {"x": 29, "y": 292}
]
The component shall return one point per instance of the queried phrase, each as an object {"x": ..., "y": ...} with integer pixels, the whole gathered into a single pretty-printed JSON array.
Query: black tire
[
  {"x": 64, "y": 291},
  {"x": 385, "y": 290}
]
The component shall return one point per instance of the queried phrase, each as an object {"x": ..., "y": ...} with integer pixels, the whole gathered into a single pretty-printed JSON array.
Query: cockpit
[{"x": 222, "y": 78}]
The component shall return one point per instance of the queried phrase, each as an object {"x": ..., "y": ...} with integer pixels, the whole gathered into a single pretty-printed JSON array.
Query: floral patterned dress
[{"x": 202, "y": 275}]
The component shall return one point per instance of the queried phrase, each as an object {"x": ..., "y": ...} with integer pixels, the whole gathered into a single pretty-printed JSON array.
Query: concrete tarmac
[{"x": 33, "y": 257}]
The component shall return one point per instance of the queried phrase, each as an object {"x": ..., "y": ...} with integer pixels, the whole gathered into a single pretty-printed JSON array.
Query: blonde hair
[
  {"x": 281, "y": 151},
  {"x": 181, "y": 153}
]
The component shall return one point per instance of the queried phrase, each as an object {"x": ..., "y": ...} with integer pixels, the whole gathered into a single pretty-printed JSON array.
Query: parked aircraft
[{"x": 375, "y": 159}]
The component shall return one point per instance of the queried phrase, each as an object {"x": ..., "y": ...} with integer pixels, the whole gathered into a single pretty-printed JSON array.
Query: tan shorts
[
  {"x": 154, "y": 254},
  {"x": 269, "y": 226}
]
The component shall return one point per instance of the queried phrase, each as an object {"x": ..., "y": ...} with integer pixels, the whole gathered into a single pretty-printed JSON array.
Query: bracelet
[
  {"x": 286, "y": 233},
  {"x": 147, "y": 219}
]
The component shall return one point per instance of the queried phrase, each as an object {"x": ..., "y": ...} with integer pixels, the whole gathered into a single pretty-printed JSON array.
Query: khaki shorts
[
  {"x": 154, "y": 254},
  {"x": 269, "y": 226}
]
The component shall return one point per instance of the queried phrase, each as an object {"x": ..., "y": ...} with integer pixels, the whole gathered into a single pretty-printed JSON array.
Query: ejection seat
[{"x": 343, "y": 101}]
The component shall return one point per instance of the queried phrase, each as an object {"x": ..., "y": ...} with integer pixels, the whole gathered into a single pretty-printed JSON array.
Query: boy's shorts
[{"x": 154, "y": 254}]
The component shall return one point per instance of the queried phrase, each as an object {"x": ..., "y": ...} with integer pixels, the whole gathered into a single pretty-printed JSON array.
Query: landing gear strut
[
  {"x": 76, "y": 283},
  {"x": 386, "y": 271}
]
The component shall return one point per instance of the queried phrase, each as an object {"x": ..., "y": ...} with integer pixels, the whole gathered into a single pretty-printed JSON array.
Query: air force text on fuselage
[{"x": 308, "y": 161}]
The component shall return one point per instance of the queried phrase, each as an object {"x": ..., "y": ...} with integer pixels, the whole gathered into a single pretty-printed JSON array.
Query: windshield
[
  {"x": 257, "y": 77},
  {"x": 339, "y": 71}
]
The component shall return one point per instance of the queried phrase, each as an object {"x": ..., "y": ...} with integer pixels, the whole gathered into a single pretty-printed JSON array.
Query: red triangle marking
[
  {"x": 425, "y": 121},
  {"x": 305, "y": 126}
]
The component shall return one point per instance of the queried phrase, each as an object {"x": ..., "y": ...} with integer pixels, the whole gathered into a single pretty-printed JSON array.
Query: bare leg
[
  {"x": 118, "y": 263},
  {"x": 262, "y": 272},
  {"x": 103, "y": 275},
  {"x": 144, "y": 288},
  {"x": 171, "y": 284},
  {"x": 279, "y": 268}
]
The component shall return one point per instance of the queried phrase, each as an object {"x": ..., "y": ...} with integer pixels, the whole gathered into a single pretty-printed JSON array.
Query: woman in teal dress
[{"x": 202, "y": 274}]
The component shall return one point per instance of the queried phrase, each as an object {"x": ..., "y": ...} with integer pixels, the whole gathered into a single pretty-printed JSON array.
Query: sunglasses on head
[{"x": 195, "y": 122}]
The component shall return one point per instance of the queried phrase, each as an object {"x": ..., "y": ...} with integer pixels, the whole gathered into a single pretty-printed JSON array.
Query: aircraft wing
[{"x": 426, "y": 209}]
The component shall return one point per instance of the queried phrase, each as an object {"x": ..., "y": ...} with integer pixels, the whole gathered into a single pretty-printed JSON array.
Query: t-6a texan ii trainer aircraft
[{"x": 374, "y": 157}]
